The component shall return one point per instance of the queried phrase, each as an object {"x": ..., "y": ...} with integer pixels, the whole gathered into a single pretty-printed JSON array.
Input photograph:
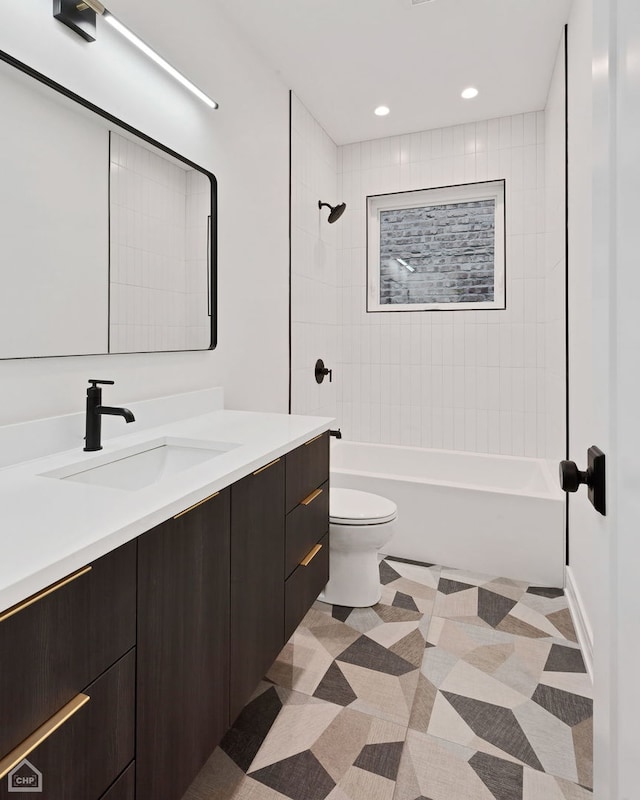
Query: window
[{"x": 437, "y": 248}]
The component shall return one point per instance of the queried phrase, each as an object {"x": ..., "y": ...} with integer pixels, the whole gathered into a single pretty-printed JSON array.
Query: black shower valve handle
[{"x": 321, "y": 372}]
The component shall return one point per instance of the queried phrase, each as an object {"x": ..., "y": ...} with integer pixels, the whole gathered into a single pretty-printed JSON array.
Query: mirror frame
[{"x": 213, "y": 228}]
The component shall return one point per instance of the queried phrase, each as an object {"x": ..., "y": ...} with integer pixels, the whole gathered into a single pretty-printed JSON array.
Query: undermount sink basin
[{"x": 137, "y": 467}]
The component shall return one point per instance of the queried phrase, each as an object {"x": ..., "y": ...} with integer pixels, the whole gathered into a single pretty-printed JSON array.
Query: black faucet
[{"x": 95, "y": 410}]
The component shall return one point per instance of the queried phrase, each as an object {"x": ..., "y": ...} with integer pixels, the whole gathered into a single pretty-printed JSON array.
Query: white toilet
[{"x": 360, "y": 525}]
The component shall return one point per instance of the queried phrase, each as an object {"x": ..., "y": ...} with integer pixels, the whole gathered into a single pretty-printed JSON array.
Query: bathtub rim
[{"x": 554, "y": 492}]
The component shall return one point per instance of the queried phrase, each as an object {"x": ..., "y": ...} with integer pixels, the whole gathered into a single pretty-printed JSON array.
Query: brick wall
[{"x": 451, "y": 248}]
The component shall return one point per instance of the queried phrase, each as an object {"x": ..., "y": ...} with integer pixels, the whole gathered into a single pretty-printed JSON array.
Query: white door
[{"x": 610, "y": 415}]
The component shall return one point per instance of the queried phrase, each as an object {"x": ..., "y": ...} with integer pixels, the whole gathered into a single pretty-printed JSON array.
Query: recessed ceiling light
[
  {"x": 419, "y": 2},
  {"x": 470, "y": 93},
  {"x": 382, "y": 111}
]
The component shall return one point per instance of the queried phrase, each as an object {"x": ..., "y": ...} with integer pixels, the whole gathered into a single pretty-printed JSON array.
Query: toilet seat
[{"x": 352, "y": 507}]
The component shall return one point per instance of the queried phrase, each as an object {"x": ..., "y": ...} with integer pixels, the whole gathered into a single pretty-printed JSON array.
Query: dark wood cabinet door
[
  {"x": 183, "y": 641},
  {"x": 53, "y": 645},
  {"x": 257, "y": 579},
  {"x": 93, "y": 744}
]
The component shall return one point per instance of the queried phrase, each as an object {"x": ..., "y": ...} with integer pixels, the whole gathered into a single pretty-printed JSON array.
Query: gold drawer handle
[
  {"x": 315, "y": 438},
  {"x": 308, "y": 500},
  {"x": 41, "y": 734},
  {"x": 266, "y": 466},
  {"x": 196, "y": 505},
  {"x": 49, "y": 590},
  {"x": 309, "y": 558}
]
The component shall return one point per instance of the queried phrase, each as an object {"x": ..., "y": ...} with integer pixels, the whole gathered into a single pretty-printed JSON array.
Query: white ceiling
[{"x": 345, "y": 57}]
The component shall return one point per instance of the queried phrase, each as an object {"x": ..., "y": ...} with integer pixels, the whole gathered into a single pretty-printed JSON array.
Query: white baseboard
[{"x": 580, "y": 620}]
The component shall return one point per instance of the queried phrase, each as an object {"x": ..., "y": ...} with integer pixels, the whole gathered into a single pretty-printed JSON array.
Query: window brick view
[{"x": 450, "y": 247}]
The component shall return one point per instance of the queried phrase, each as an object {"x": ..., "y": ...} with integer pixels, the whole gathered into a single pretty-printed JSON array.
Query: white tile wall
[
  {"x": 467, "y": 380},
  {"x": 484, "y": 381},
  {"x": 156, "y": 264},
  {"x": 314, "y": 295}
]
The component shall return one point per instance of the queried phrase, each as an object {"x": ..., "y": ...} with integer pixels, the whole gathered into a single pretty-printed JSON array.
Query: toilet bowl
[{"x": 360, "y": 525}]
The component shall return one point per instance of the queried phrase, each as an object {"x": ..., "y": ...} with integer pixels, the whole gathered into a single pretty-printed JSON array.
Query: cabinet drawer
[
  {"x": 54, "y": 644},
  {"x": 304, "y": 585},
  {"x": 306, "y": 525},
  {"x": 85, "y": 754},
  {"x": 307, "y": 468},
  {"x": 125, "y": 787}
]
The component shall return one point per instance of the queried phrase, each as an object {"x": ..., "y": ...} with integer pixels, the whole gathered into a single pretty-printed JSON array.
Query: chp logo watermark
[{"x": 24, "y": 777}]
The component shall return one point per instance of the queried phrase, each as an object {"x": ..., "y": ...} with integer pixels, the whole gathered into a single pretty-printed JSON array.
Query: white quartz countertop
[{"x": 50, "y": 527}]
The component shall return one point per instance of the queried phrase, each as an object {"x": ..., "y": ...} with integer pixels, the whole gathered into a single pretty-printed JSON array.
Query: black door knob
[{"x": 571, "y": 478}]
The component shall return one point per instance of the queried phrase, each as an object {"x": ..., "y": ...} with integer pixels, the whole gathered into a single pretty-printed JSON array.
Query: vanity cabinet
[
  {"x": 257, "y": 579},
  {"x": 67, "y": 679},
  {"x": 152, "y": 651},
  {"x": 183, "y": 646}
]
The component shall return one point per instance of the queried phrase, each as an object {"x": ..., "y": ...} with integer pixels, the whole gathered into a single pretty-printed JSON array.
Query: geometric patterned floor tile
[
  {"x": 247, "y": 735},
  {"x": 381, "y": 759},
  {"x": 455, "y": 686},
  {"x": 300, "y": 777},
  {"x": 366, "y": 659},
  {"x": 487, "y": 689},
  {"x": 506, "y": 605},
  {"x": 440, "y": 770},
  {"x": 334, "y": 687}
]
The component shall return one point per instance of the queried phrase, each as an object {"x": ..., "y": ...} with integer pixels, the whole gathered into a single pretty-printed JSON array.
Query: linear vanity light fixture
[{"x": 80, "y": 17}]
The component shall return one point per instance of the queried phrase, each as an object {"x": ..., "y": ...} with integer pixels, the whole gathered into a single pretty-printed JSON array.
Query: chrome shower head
[{"x": 335, "y": 211}]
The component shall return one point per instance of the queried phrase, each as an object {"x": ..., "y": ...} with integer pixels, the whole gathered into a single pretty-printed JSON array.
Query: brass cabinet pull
[
  {"x": 266, "y": 466},
  {"x": 49, "y": 590},
  {"x": 41, "y": 734},
  {"x": 308, "y": 500},
  {"x": 309, "y": 558},
  {"x": 315, "y": 438},
  {"x": 195, "y": 505}
]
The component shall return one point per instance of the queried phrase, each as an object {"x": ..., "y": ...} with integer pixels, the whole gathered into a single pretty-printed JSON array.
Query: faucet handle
[{"x": 95, "y": 382}]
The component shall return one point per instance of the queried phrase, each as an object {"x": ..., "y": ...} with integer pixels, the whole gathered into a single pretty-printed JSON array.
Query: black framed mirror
[{"x": 108, "y": 238}]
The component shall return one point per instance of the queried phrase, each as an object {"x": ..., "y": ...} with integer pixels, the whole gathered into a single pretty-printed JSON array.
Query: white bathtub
[{"x": 495, "y": 514}]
